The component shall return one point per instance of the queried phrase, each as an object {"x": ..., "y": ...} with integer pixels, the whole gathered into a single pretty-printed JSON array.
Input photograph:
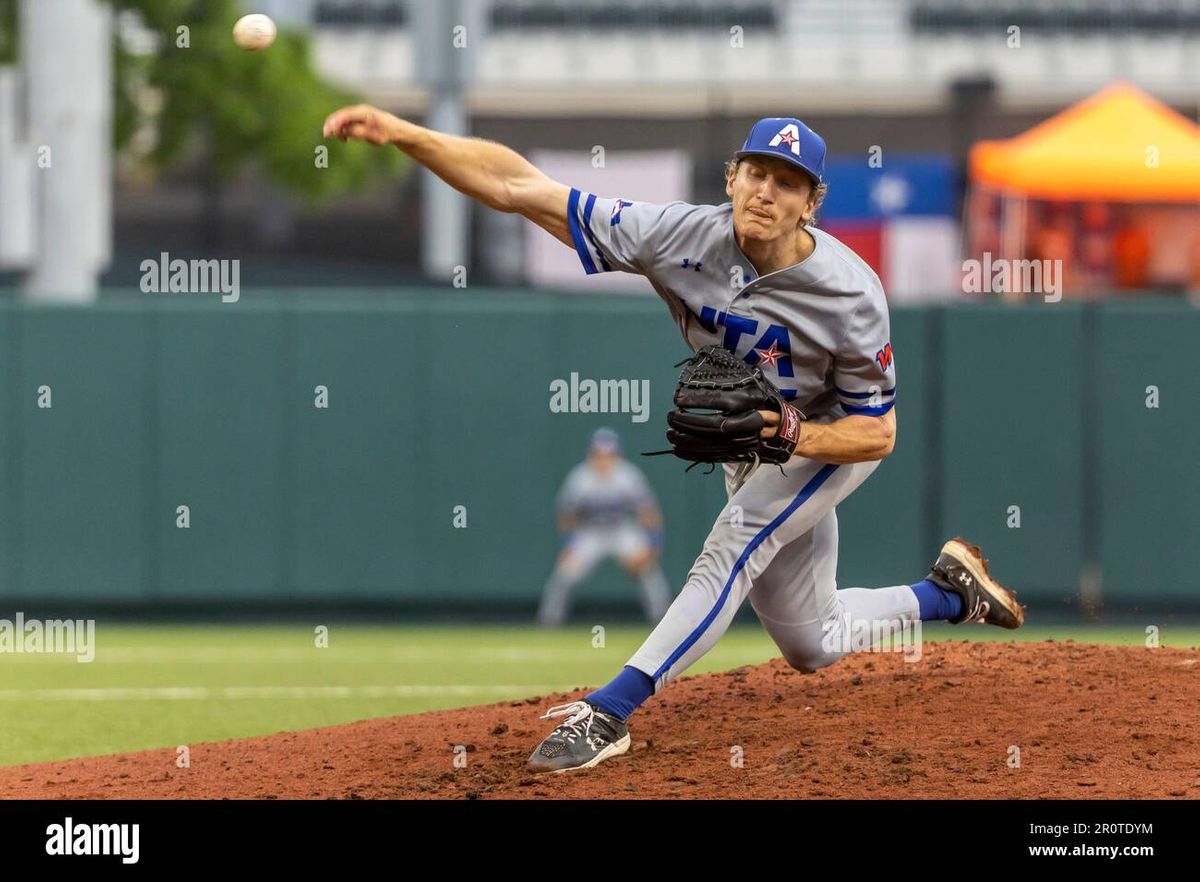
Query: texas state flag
[{"x": 901, "y": 218}]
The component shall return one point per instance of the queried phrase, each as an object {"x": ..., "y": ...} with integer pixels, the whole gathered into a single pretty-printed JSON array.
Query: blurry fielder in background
[{"x": 606, "y": 508}]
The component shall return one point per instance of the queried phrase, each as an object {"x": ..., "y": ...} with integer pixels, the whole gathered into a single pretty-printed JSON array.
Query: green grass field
[{"x": 162, "y": 686}]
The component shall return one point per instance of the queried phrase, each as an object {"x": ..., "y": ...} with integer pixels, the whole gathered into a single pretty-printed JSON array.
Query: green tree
[
  {"x": 266, "y": 107},
  {"x": 8, "y": 31}
]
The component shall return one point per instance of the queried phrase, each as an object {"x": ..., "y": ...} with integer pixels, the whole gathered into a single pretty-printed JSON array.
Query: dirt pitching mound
[{"x": 1082, "y": 721}]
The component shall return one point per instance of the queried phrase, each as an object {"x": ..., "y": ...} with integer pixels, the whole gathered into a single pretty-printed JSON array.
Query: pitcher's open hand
[{"x": 362, "y": 122}]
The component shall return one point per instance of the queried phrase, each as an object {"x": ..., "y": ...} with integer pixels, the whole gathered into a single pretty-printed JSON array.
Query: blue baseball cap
[
  {"x": 787, "y": 138},
  {"x": 606, "y": 439}
]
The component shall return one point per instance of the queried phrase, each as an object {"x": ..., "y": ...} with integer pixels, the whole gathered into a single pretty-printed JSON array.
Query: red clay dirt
[{"x": 1089, "y": 721}]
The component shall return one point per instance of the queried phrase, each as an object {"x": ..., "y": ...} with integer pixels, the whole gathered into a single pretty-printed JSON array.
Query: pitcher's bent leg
[
  {"x": 813, "y": 623},
  {"x": 768, "y": 511}
]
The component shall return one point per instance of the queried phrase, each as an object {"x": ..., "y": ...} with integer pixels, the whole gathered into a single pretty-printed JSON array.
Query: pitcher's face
[{"x": 771, "y": 198}]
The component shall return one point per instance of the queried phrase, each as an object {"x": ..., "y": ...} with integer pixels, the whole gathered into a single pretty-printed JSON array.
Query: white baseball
[{"x": 254, "y": 32}]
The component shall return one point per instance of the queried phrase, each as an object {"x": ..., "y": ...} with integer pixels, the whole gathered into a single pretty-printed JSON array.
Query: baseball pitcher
[{"x": 756, "y": 278}]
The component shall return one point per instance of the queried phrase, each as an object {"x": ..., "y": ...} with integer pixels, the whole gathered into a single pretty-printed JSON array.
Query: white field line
[
  {"x": 272, "y": 654},
  {"x": 234, "y": 693},
  {"x": 412, "y": 655}
]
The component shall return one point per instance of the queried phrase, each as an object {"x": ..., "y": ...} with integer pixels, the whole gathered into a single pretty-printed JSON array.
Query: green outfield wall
[{"x": 1077, "y": 422}]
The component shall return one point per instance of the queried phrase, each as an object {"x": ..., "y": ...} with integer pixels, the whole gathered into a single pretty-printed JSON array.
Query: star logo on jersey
[
  {"x": 789, "y": 136},
  {"x": 615, "y": 217},
  {"x": 770, "y": 356}
]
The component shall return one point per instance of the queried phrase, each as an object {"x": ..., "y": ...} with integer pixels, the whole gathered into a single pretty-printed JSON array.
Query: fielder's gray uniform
[
  {"x": 605, "y": 500},
  {"x": 605, "y": 508},
  {"x": 820, "y": 331}
]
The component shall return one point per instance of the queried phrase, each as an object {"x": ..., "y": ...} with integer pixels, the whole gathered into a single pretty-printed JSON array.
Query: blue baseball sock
[
  {"x": 936, "y": 602},
  {"x": 622, "y": 695}
]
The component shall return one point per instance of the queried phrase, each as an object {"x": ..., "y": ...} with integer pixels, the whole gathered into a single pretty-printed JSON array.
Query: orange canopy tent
[{"x": 1120, "y": 145}]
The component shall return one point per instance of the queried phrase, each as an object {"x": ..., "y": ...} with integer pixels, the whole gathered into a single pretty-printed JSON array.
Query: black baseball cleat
[
  {"x": 961, "y": 568},
  {"x": 587, "y": 737}
]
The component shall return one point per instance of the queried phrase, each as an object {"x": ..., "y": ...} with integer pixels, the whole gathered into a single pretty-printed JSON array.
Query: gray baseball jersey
[
  {"x": 604, "y": 500},
  {"x": 819, "y": 328},
  {"x": 820, "y": 331}
]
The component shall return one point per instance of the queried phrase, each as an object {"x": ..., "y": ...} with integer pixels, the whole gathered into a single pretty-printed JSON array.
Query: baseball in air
[{"x": 254, "y": 32}]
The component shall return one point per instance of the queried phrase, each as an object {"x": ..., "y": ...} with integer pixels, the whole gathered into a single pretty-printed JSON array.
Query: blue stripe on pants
[{"x": 809, "y": 489}]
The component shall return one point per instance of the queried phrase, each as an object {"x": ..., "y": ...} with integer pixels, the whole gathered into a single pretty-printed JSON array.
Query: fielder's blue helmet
[{"x": 606, "y": 439}]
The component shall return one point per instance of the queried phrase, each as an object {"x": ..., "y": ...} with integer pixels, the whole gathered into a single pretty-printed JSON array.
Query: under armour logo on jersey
[
  {"x": 615, "y": 217},
  {"x": 884, "y": 357},
  {"x": 789, "y": 135},
  {"x": 687, "y": 264}
]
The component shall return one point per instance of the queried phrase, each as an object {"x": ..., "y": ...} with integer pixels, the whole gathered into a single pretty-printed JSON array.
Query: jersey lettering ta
[{"x": 819, "y": 328}]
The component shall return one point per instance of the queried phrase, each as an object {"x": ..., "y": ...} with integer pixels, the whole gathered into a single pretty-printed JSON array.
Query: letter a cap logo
[{"x": 789, "y": 139}]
